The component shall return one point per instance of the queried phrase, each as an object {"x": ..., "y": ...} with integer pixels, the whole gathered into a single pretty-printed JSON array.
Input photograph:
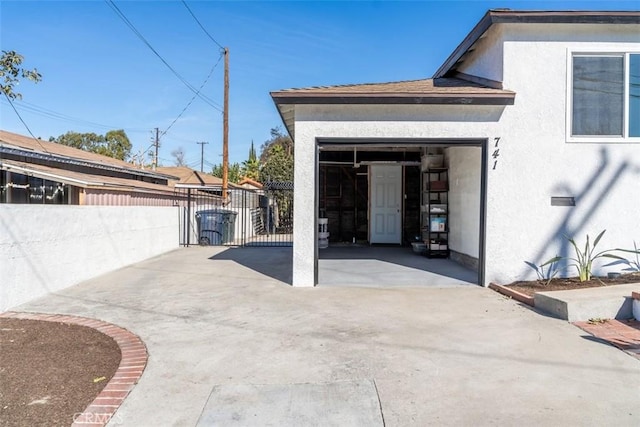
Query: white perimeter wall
[
  {"x": 45, "y": 249},
  {"x": 464, "y": 199}
]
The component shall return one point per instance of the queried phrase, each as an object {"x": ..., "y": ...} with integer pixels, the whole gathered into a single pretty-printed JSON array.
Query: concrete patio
[{"x": 231, "y": 343}]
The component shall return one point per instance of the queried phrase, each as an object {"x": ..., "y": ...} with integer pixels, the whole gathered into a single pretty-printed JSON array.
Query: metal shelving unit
[{"x": 435, "y": 212}]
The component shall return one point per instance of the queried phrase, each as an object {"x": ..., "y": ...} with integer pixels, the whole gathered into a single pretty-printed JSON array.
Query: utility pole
[
  {"x": 225, "y": 129},
  {"x": 202, "y": 155},
  {"x": 157, "y": 145}
]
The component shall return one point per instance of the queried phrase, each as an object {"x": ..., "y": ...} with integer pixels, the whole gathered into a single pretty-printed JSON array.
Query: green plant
[
  {"x": 583, "y": 261},
  {"x": 548, "y": 273},
  {"x": 632, "y": 265}
]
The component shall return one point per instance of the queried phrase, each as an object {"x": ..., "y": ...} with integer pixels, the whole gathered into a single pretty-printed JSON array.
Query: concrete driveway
[{"x": 231, "y": 344}]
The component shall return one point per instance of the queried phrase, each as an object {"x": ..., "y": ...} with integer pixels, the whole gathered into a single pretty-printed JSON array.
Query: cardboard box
[
  {"x": 438, "y": 224},
  {"x": 438, "y": 185}
]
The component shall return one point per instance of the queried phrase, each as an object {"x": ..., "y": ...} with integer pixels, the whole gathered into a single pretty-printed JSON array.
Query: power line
[
  {"x": 23, "y": 122},
  {"x": 201, "y": 26},
  {"x": 44, "y": 112},
  {"x": 194, "y": 96},
  {"x": 132, "y": 27}
]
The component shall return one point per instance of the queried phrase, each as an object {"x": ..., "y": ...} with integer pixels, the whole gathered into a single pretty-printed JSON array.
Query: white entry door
[{"x": 385, "y": 224}]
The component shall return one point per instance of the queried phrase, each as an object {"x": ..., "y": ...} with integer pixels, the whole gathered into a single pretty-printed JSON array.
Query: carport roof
[
  {"x": 409, "y": 92},
  {"x": 425, "y": 91}
]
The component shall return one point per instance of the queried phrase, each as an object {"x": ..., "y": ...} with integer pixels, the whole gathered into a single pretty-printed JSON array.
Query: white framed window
[{"x": 604, "y": 97}]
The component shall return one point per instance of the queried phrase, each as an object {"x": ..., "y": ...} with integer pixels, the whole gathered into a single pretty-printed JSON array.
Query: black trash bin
[
  {"x": 215, "y": 226},
  {"x": 228, "y": 226}
]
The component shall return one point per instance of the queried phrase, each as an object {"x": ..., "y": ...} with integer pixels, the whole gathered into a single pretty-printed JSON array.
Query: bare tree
[{"x": 178, "y": 156}]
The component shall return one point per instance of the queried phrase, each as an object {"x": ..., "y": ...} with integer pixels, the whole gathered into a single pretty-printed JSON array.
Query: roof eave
[
  {"x": 284, "y": 98},
  {"x": 534, "y": 17}
]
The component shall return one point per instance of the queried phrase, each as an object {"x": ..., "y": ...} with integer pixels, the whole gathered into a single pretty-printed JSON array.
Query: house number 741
[{"x": 496, "y": 152}]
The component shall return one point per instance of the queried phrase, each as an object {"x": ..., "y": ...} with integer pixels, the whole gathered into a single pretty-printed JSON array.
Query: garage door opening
[{"x": 378, "y": 211}]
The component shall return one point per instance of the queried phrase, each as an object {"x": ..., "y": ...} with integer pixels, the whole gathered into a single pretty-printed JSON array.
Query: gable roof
[
  {"x": 507, "y": 16},
  {"x": 447, "y": 85},
  {"x": 246, "y": 181},
  {"x": 187, "y": 175}
]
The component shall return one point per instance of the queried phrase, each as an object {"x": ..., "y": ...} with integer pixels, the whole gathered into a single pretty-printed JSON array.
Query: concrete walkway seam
[{"x": 133, "y": 361}]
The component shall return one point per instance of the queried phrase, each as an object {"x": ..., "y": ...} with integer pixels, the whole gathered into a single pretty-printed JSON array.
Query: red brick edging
[
  {"x": 624, "y": 334},
  {"x": 132, "y": 364},
  {"x": 518, "y": 296}
]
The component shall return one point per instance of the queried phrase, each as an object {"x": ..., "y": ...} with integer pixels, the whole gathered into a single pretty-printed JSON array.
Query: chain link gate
[{"x": 248, "y": 218}]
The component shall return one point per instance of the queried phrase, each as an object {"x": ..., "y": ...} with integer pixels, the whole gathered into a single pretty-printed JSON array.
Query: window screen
[{"x": 598, "y": 95}]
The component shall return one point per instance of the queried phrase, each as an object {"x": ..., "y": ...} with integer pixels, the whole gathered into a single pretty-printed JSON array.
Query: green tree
[
  {"x": 251, "y": 166},
  {"x": 234, "y": 174},
  {"x": 277, "y": 138},
  {"x": 11, "y": 72},
  {"x": 277, "y": 158},
  {"x": 278, "y": 165},
  {"x": 114, "y": 144},
  {"x": 117, "y": 145}
]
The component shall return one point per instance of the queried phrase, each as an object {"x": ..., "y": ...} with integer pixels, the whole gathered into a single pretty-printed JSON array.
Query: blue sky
[{"x": 98, "y": 75}]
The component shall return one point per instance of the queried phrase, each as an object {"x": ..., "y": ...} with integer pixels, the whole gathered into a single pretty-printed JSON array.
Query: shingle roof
[
  {"x": 9, "y": 139},
  {"x": 431, "y": 90},
  {"x": 84, "y": 180}
]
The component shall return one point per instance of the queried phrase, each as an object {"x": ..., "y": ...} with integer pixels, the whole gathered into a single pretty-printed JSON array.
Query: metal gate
[{"x": 246, "y": 218}]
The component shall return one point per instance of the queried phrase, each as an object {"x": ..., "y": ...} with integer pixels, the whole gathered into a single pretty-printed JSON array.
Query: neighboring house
[
  {"x": 250, "y": 184},
  {"x": 188, "y": 176},
  {"x": 537, "y": 115},
  {"x": 40, "y": 172}
]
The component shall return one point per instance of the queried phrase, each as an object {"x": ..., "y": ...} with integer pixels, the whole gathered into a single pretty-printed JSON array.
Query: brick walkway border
[
  {"x": 132, "y": 364},
  {"x": 624, "y": 334}
]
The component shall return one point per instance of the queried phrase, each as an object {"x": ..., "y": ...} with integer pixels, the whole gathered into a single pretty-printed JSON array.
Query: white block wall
[{"x": 44, "y": 249}]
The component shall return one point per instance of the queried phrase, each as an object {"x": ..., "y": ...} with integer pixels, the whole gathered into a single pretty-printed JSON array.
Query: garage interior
[{"x": 344, "y": 199}]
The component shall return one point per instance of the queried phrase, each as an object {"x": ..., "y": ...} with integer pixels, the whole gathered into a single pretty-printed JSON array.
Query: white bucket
[{"x": 323, "y": 233}]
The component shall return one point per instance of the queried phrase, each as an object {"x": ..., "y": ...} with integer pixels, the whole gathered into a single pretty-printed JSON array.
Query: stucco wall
[
  {"x": 457, "y": 124},
  {"x": 537, "y": 162},
  {"x": 44, "y": 249},
  {"x": 464, "y": 199}
]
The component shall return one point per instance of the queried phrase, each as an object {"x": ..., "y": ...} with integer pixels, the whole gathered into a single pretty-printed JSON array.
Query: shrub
[
  {"x": 632, "y": 265},
  {"x": 548, "y": 273},
  {"x": 583, "y": 260}
]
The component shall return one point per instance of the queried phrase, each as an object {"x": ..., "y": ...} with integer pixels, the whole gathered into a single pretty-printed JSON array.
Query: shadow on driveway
[{"x": 274, "y": 262}]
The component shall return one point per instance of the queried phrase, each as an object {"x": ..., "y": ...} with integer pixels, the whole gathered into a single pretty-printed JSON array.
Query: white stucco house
[{"x": 537, "y": 114}]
